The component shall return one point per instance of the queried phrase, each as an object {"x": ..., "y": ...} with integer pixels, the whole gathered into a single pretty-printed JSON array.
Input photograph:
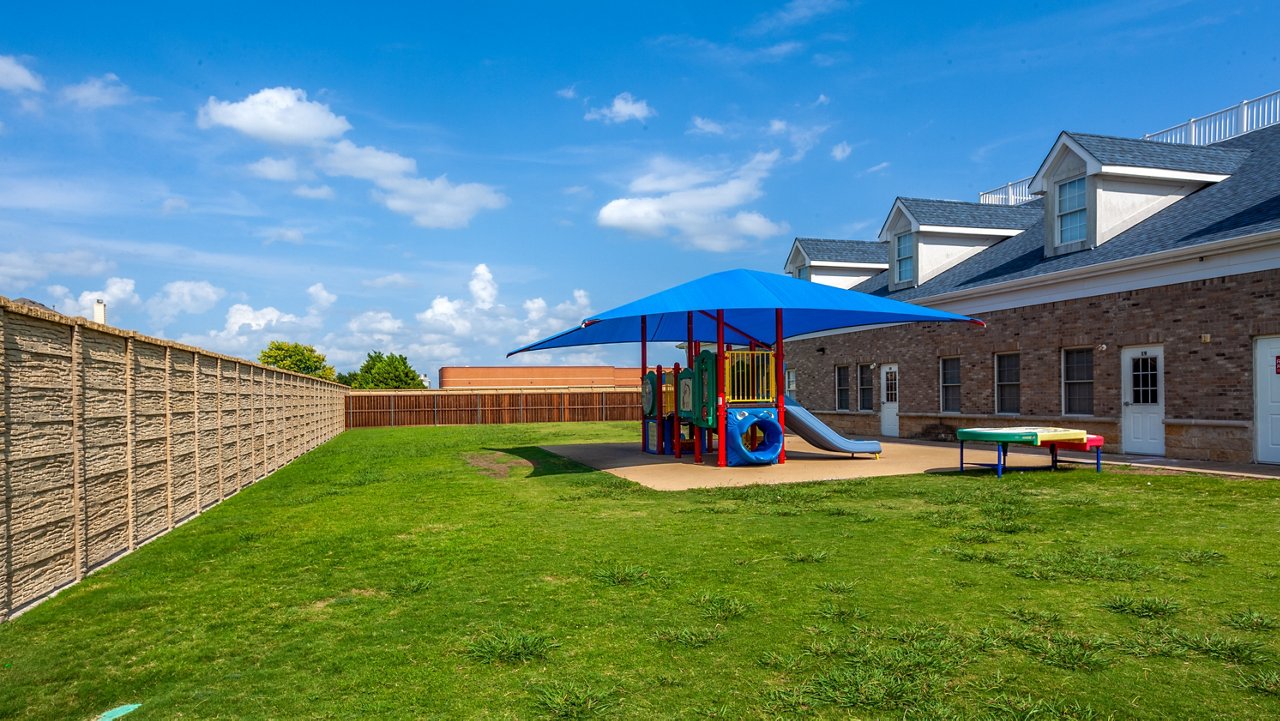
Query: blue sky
[{"x": 451, "y": 181}]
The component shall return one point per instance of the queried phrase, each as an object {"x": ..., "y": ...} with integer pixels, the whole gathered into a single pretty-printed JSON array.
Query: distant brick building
[
  {"x": 538, "y": 377},
  {"x": 1130, "y": 288}
]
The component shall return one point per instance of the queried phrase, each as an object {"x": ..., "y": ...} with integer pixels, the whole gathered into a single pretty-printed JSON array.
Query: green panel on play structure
[
  {"x": 685, "y": 395},
  {"x": 705, "y": 367},
  {"x": 649, "y": 394}
]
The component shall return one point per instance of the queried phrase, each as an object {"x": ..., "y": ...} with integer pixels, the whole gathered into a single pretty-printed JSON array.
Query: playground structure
[
  {"x": 728, "y": 398},
  {"x": 728, "y": 402}
]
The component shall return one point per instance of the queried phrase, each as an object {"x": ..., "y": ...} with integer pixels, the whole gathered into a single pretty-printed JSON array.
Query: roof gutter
[{"x": 1113, "y": 267}]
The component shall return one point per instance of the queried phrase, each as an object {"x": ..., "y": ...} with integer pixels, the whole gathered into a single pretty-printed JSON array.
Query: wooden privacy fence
[
  {"x": 471, "y": 406},
  {"x": 109, "y": 439}
]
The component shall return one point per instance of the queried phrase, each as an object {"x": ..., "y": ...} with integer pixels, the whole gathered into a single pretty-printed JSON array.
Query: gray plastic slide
[{"x": 806, "y": 425}]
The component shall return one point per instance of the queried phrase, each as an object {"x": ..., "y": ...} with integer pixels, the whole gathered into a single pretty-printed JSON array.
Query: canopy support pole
[
  {"x": 722, "y": 411},
  {"x": 780, "y": 383},
  {"x": 644, "y": 368},
  {"x": 698, "y": 432}
]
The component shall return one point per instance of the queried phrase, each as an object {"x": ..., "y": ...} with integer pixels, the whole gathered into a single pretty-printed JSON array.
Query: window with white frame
[
  {"x": 949, "y": 394},
  {"x": 791, "y": 380},
  {"x": 1008, "y": 383},
  {"x": 1077, "y": 381},
  {"x": 1072, "y": 218},
  {"x": 866, "y": 399},
  {"x": 905, "y": 255},
  {"x": 842, "y": 388}
]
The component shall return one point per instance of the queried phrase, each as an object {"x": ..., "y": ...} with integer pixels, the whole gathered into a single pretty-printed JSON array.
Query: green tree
[
  {"x": 298, "y": 358},
  {"x": 386, "y": 371}
]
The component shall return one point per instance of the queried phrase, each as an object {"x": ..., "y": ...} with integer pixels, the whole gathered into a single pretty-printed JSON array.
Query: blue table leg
[
  {"x": 1098, "y": 462},
  {"x": 1002, "y": 450},
  {"x": 962, "y": 455}
]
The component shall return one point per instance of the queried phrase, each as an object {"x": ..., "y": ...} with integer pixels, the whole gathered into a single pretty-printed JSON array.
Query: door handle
[{"x": 1128, "y": 403}]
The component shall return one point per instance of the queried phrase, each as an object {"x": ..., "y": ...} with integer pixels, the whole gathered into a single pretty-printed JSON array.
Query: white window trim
[
  {"x": 942, "y": 387},
  {"x": 871, "y": 373},
  {"x": 835, "y": 387},
  {"x": 1062, "y": 382},
  {"x": 915, "y": 265},
  {"x": 995, "y": 383},
  {"x": 1058, "y": 214}
]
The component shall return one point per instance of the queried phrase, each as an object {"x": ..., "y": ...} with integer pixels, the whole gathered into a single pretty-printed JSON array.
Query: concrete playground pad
[{"x": 804, "y": 463}]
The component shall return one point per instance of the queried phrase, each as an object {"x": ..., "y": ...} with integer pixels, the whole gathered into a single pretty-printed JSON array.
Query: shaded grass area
[{"x": 462, "y": 572}]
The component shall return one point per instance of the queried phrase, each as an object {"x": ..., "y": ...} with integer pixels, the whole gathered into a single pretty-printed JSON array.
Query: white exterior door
[
  {"x": 889, "y": 400},
  {"x": 1266, "y": 394},
  {"x": 1142, "y": 400}
]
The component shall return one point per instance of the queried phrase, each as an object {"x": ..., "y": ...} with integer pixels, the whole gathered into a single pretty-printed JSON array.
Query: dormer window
[
  {"x": 1072, "y": 221},
  {"x": 905, "y": 254}
]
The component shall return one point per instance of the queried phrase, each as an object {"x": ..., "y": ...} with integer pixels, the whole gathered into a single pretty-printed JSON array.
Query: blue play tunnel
[{"x": 739, "y": 423}]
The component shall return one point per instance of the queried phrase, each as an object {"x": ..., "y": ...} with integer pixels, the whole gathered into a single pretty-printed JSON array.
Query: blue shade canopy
[{"x": 748, "y": 299}]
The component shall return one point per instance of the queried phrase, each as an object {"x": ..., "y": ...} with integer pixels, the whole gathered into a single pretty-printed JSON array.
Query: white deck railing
[
  {"x": 1212, "y": 128},
  {"x": 1226, "y": 123},
  {"x": 1013, "y": 193}
]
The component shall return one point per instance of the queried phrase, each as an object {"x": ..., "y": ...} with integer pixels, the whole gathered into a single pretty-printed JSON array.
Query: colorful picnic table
[{"x": 1067, "y": 439}]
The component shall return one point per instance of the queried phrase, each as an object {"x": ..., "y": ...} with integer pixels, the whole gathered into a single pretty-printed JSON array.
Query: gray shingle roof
[
  {"x": 1168, "y": 156},
  {"x": 1246, "y": 203},
  {"x": 845, "y": 251},
  {"x": 958, "y": 214}
]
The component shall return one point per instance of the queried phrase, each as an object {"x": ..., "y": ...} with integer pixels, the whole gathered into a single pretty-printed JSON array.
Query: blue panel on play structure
[{"x": 738, "y": 425}]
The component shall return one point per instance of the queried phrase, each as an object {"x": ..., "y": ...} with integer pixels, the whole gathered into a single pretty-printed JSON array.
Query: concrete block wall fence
[{"x": 109, "y": 438}]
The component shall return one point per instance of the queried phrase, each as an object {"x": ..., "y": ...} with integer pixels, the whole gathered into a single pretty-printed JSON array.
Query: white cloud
[
  {"x": 703, "y": 215},
  {"x": 878, "y": 167},
  {"x": 535, "y": 308},
  {"x": 278, "y": 115},
  {"x": 320, "y": 298},
  {"x": 802, "y": 138},
  {"x": 484, "y": 289},
  {"x": 841, "y": 150},
  {"x": 282, "y": 235},
  {"x": 394, "y": 280},
  {"x": 116, "y": 292},
  {"x": 284, "y": 169},
  {"x": 95, "y": 93},
  {"x": 777, "y": 127},
  {"x": 822, "y": 100},
  {"x": 432, "y": 203},
  {"x": 445, "y": 314},
  {"x": 796, "y": 12},
  {"x": 183, "y": 296},
  {"x": 706, "y": 127},
  {"x": 368, "y": 163},
  {"x": 577, "y": 190},
  {"x": 15, "y": 77},
  {"x": 438, "y": 203},
  {"x": 733, "y": 56},
  {"x": 375, "y": 322},
  {"x": 174, "y": 205},
  {"x": 22, "y": 268},
  {"x": 314, "y": 192},
  {"x": 568, "y": 93},
  {"x": 665, "y": 175},
  {"x": 625, "y": 107},
  {"x": 242, "y": 315}
]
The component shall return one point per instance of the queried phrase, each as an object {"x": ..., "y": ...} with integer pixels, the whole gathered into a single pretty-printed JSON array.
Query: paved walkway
[{"x": 806, "y": 463}]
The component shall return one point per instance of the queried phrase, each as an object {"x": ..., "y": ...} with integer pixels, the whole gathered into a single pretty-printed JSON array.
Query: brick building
[{"x": 1129, "y": 287}]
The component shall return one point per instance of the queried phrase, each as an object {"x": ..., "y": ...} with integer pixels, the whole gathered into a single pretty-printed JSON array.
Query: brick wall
[
  {"x": 1208, "y": 387},
  {"x": 110, "y": 439}
]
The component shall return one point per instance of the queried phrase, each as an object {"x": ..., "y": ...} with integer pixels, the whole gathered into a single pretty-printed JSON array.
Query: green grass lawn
[{"x": 461, "y": 572}]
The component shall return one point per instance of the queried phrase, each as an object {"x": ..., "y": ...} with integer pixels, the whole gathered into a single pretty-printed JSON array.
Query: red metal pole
[
  {"x": 780, "y": 381},
  {"x": 690, "y": 352},
  {"x": 662, "y": 416},
  {"x": 644, "y": 368},
  {"x": 721, "y": 410},
  {"x": 675, "y": 412}
]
